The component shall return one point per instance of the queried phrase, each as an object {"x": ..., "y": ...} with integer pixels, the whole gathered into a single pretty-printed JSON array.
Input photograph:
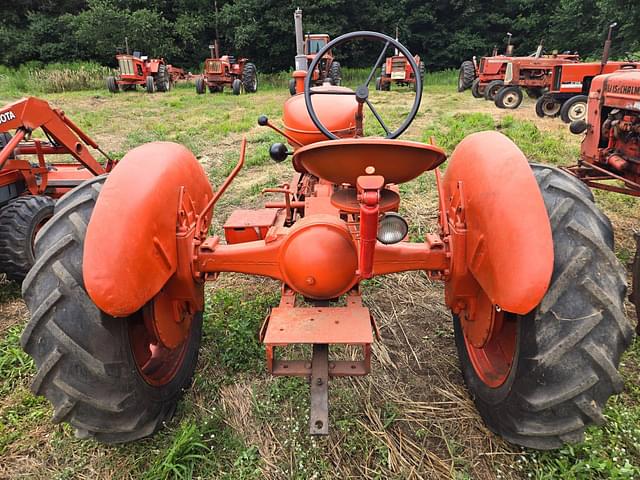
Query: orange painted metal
[
  {"x": 337, "y": 112},
  {"x": 248, "y": 225},
  {"x": 343, "y": 161},
  {"x": 143, "y": 225},
  {"x": 346, "y": 200},
  {"x": 500, "y": 236},
  {"x": 369, "y": 187}
]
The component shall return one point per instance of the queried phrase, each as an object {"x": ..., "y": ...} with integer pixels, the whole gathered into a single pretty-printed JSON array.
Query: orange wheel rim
[{"x": 493, "y": 361}]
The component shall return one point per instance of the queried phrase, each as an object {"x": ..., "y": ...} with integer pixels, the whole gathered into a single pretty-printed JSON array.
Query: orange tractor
[
  {"x": 307, "y": 47},
  {"x": 536, "y": 294},
  {"x": 28, "y": 183},
  {"x": 610, "y": 152},
  {"x": 220, "y": 71},
  {"x": 154, "y": 74},
  {"x": 570, "y": 83},
  {"x": 531, "y": 74}
]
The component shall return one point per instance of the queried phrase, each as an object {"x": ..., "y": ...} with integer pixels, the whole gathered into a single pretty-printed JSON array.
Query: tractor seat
[{"x": 343, "y": 161}]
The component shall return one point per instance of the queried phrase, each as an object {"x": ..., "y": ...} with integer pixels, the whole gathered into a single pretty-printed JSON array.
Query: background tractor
[
  {"x": 220, "y": 71},
  {"x": 307, "y": 47},
  {"x": 570, "y": 84},
  {"x": 531, "y": 74},
  {"x": 478, "y": 75},
  {"x": 610, "y": 152},
  {"x": 397, "y": 69},
  {"x": 154, "y": 74},
  {"x": 28, "y": 183},
  {"x": 535, "y": 291}
]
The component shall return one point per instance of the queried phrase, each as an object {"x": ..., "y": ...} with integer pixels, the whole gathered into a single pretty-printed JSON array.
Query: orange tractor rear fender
[
  {"x": 132, "y": 247},
  {"x": 500, "y": 236}
]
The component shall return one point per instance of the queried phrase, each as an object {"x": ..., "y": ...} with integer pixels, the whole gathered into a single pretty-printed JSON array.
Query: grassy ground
[{"x": 411, "y": 418}]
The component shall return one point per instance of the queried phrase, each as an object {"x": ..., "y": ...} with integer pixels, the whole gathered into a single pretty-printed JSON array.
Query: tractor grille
[
  {"x": 398, "y": 66},
  {"x": 126, "y": 66},
  {"x": 214, "y": 66}
]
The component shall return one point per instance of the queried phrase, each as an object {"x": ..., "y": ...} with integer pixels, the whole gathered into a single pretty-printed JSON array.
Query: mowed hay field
[{"x": 411, "y": 418}]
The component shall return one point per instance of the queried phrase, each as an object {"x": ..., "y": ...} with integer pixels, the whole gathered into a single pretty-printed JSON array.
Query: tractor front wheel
[
  {"x": 547, "y": 106},
  {"x": 292, "y": 87},
  {"x": 109, "y": 378},
  {"x": 112, "y": 85},
  {"x": 20, "y": 221},
  {"x": 476, "y": 89},
  {"x": 574, "y": 109},
  {"x": 236, "y": 86},
  {"x": 509, "y": 97},
  {"x": 545, "y": 376},
  {"x": 150, "y": 84},
  {"x": 466, "y": 75},
  {"x": 492, "y": 89}
]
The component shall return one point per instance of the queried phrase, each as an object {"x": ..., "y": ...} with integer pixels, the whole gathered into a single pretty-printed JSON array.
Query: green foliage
[
  {"x": 53, "y": 78},
  {"x": 443, "y": 33}
]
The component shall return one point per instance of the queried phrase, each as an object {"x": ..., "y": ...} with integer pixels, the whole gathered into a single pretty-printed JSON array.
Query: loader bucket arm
[
  {"x": 32, "y": 113},
  {"x": 147, "y": 206},
  {"x": 500, "y": 232}
]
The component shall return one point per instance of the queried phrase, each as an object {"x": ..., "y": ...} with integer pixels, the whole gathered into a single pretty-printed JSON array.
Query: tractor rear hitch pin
[{"x": 223, "y": 187}]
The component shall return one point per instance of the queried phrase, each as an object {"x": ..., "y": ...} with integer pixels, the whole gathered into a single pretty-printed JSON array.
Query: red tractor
[
  {"x": 477, "y": 75},
  {"x": 153, "y": 74},
  {"x": 531, "y": 74},
  {"x": 397, "y": 69},
  {"x": 307, "y": 47},
  {"x": 220, "y": 71},
  {"x": 536, "y": 294},
  {"x": 610, "y": 152},
  {"x": 570, "y": 84},
  {"x": 28, "y": 183}
]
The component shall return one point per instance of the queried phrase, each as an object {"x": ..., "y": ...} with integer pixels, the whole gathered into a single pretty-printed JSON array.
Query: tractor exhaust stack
[
  {"x": 509, "y": 50},
  {"x": 301, "y": 59},
  {"x": 607, "y": 47}
]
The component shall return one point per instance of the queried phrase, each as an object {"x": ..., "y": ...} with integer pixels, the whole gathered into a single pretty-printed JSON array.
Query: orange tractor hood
[{"x": 336, "y": 112}]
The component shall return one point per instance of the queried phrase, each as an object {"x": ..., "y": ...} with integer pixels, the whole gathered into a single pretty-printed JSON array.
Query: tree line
[{"x": 442, "y": 32}]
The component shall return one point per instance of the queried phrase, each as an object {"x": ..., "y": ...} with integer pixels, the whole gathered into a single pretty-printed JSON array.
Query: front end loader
[
  {"x": 29, "y": 184},
  {"x": 534, "y": 290}
]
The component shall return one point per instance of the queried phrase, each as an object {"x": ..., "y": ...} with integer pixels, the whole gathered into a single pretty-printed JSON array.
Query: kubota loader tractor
[
  {"x": 136, "y": 70},
  {"x": 536, "y": 294},
  {"x": 307, "y": 47},
  {"x": 220, "y": 71},
  {"x": 29, "y": 183},
  {"x": 610, "y": 152},
  {"x": 570, "y": 84}
]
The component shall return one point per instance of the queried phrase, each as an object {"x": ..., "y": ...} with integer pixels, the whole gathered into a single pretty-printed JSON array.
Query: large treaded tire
[
  {"x": 150, "y": 84},
  {"x": 163, "y": 79},
  {"x": 335, "y": 73},
  {"x": 19, "y": 222},
  {"x": 250, "y": 78},
  {"x": 476, "y": 90},
  {"x": 85, "y": 365},
  {"x": 466, "y": 75},
  {"x": 112, "y": 85},
  {"x": 492, "y": 89},
  {"x": 200, "y": 86},
  {"x": 569, "y": 346}
]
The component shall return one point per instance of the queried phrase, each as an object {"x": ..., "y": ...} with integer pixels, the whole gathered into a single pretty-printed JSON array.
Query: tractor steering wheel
[{"x": 362, "y": 92}]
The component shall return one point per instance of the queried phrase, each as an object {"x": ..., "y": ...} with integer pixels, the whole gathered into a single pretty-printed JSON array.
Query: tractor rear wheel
[
  {"x": 163, "y": 79},
  {"x": 509, "y": 97},
  {"x": 200, "y": 87},
  {"x": 476, "y": 90},
  {"x": 250, "y": 78},
  {"x": 112, "y": 85},
  {"x": 236, "y": 86},
  {"x": 150, "y": 85},
  {"x": 20, "y": 221},
  {"x": 335, "y": 73},
  {"x": 492, "y": 89},
  {"x": 104, "y": 376},
  {"x": 557, "y": 366},
  {"x": 574, "y": 109},
  {"x": 466, "y": 75},
  {"x": 635, "y": 275},
  {"x": 547, "y": 106}
]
